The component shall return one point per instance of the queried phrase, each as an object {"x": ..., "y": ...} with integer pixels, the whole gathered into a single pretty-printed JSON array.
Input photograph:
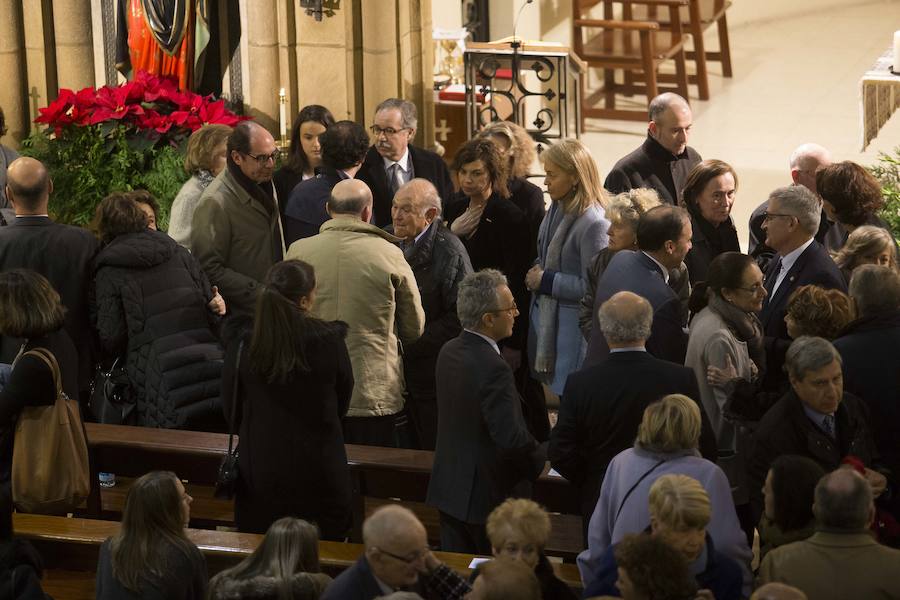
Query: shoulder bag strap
[
  {"x": 632, "y": 488},
  {"x": 234, "y": 396}
]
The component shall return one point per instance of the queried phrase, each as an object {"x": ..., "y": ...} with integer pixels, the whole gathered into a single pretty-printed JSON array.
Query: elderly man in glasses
[
  {"x": 393, "y": 161},
  {"x": 236, "y": 232}
]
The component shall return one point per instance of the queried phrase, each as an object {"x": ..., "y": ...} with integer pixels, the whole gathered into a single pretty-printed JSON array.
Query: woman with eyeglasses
[{"x": 709, "y": 195}]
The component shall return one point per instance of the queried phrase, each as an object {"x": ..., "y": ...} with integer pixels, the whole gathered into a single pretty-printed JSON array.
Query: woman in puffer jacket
[{"x": 154, "y": 307}]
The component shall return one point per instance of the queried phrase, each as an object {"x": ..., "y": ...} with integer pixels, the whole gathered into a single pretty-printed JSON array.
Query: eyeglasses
[
  {"x": 388, "y": 131},
  {"x": 767, "y": 216},
  {"x": 264, "y": 158},
  {"x": 409, "y": 558},
  {"x": 753, "y": 289},
  {"x": 512, "y": 308}
]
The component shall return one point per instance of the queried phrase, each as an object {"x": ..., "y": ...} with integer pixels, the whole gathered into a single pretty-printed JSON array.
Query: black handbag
[
  {"x": 228, "y": 469},
  {"x": 111, "y": 399}
]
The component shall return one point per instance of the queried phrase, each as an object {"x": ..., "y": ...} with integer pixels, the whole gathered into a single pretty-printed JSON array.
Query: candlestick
[
  {"x": 896, "y": 66},
  {"x": 282, "y": 116}
]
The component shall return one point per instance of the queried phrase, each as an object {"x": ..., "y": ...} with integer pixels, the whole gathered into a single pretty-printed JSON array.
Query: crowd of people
[{"x": 360, "y": 291}]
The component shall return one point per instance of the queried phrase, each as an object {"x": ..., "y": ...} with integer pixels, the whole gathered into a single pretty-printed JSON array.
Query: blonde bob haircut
[
  {"x": 679, "y": 502},
  {"x": 575, "y": 160},
  {"x": 627, "y": 207},
  {"x": 521, "y": 148},
  {"x": 522, "y": 516},
  {"x": 201, "y": 145},
  {"x": 864, "y": 242},
  {"x": 670, "y": 425}
]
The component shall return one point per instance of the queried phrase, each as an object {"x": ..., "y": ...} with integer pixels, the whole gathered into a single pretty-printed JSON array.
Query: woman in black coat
[
  {"x": 709, "y": 195},
  {"x": 154, "y": 306},
  {"x": 294, "y": 382}
]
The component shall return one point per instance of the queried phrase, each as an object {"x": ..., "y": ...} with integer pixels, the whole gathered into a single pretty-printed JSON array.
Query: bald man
[
  {"x": 396, "y": 558},
  {"x": 61, "y": 253},
  {"x": 778, "y": 591},
  {"x": 363, "y": 279},
  {"x": 663, "y": 161},
  {"x": 602, "y": 406},
  {"x": 236, "y": 231}
]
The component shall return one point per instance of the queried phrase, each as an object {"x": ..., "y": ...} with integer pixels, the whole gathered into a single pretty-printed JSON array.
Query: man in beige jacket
[{"x": 363, "y": 278}]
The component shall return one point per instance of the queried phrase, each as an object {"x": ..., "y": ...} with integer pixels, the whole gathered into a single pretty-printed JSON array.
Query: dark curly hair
[
  {"x": 794, "y": 480},
  {"x": 116, "y": 215},
  {"x": 344, "y": 144},
  {"x": 297, "y": 160},
  {"x": 487, "y": 151},
  {"x": 656, "y": 570},
  {"x": 819, "y": 312},
  {"x": 854, "y": 193}
]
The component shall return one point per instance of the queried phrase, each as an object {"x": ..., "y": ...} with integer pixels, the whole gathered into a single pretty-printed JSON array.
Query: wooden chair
[{"x": 638, "y": 48}]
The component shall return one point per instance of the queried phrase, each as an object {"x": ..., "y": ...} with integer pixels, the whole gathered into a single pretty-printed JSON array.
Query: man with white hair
[
  {"x": 663, "y": 161},
  {"x": 806, "y": 160},
  {"x": 396, "y": 558}
]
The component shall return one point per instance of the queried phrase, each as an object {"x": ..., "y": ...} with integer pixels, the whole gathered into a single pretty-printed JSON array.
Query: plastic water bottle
[{"x": 107, "y": 480}]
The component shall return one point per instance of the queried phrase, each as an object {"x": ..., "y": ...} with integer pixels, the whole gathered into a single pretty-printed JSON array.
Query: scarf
[
  {"x": 466, "y": 224},
  {"x": 545, "y": 355},
  {"x": 721, "y": 237},
  {"x": 745, "y": 327},
  {"x": 264, "y": 192}
]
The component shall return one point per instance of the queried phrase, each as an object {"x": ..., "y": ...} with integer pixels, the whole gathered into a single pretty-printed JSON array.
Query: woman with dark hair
[
  {"x": 726, "y": 333},
  {"x": 851, "y": 197},
  {"x": 31, "y": 309},
  {"x": 709, "y": 194},
  {"x": 305, "y": 154},
  {"x": 788, "y": 493},
  {"x": 294, "y": 382},
  {"x": 284, "y": 565},
  {"x": 148, "y": 204},
  {"x": 817, "y": 312},
  {"x": 204, "y": 160},
  {"x": 151, "y": 557},
  {"x": 154, "y": 306}
]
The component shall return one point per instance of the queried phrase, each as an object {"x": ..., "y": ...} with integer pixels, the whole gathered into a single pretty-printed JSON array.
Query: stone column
[
  {"x": 325, "y": 62},
  {"x": 40, "y": 56},
  {"x": 74, "y": 43},
  {"x": 416, "y": 61},
  {"x": 262, "y": 66},
  {"x": 14, "y": 91}
]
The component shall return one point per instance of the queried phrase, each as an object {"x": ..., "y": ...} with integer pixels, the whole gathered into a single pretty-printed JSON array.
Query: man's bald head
[
  {"x": 670, "y": 122},
  {"x": 388, "y": 524},
  {"x": 28, "y": 185},
  {"x": 351, "y": 197},
  {"x": 843, "y": 500},
  {"x": 806, "y": 160},
  {"x": 778, "y": 591},
  {"x": 423, "y": 192},
  {"x": 625, "y": 320}
]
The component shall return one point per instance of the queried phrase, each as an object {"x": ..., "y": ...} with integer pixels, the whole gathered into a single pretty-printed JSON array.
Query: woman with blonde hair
[
  {"x": 866, "y": 245},
  {"x": 666, "y": 444},
  {"x": 574, "y": 230}
]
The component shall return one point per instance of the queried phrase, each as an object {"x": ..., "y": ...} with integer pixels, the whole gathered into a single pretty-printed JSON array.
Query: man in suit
[
  {"x": 842, "y": 559},
  {"x": 396, "y": 558},
  {"x": 484, "y": 453},
  {"x": 663, "y": 161},
  {"x": 806, "y": 160},
  {"x": 602, "y": 406},
  {"x": 664, "y": 239},
  {"x": 344, "y": 146},
  {"x": 393, "y": 161},
  {"x": 61, "y": 253},
  {"x": 791, "y": 222}
]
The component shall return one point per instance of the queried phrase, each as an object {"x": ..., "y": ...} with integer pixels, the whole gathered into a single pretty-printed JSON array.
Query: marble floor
[{"x": 797, "y": 65}]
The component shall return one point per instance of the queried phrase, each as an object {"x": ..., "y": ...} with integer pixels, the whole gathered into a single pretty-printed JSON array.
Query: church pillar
[
  {"x": 14, "y": 91},
  {"x": 74, "y": 43},
  {"x": 40, "y": 56},
  {"x": 262, "y": 66}
]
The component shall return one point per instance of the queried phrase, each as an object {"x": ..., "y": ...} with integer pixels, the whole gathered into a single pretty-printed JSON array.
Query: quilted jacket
[{"x": 150, "y": 306}]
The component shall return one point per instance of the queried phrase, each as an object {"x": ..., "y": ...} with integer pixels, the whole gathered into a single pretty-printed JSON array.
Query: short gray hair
[
  {"x": 408, "y": 112},
  {"x": 843, "y": 499},
  {"x": 874, "y": 289},
  {"x": 801, "y": 203},
  {"x": 664, "y": 102},
  {"x": 425, "y": 193},
  {"x": 477, "y": 295},
  {"x": 625, "y": 317},
  {"x": 809, "y": 353}
]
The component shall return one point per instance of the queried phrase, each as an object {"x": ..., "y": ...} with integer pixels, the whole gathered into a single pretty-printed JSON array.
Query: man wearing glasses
[
  {"x": 392, "y": 161},
  {"x": 236, "y": 232}
]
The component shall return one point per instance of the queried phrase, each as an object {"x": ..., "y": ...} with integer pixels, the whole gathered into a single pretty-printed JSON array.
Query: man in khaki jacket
[
  {"x": 363, "y": 278},
  {"x": 841, "y": 559}
]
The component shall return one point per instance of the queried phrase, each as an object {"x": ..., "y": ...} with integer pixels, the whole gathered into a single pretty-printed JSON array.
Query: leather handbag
[
  {"x": 228, "y": 469},
  {"x": 50, "y": 470},
  {"x": 111, "y": 399}
]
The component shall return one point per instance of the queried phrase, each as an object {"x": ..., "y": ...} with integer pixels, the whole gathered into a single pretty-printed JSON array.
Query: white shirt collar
[
  {"x": 665, "y": 271},
  {"x": 487, "y": 339},
  {"x": 788, "y": 260},
  {"x": 424, "y": 231},
  {"x": 403, "y": 162}
]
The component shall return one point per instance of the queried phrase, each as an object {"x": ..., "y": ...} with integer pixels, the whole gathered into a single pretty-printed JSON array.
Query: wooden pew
[
  {"x": 70, "y": 549},
  {"x": 378, "y": 474}
]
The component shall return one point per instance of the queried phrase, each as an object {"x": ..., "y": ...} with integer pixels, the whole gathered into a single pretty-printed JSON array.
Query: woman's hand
[
  {"x": 717, "y": 377},
  {"x": 217, "y": 304},
  {"x": 877, "y": 481},
  {"x": 533, "y": 278}
]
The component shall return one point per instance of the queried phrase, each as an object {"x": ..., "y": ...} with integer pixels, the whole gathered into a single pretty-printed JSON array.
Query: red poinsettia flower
[
  {"x": 113, "y": 103},
  {"x": 155, "y": 121},
  {"x": 157, "y": 89},
  {"x": 59, "y": 112},
  {"x": 215, "y": 112}
]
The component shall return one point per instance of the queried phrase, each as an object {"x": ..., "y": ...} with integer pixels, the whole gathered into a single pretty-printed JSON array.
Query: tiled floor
[{"x": 797, "y": 65}]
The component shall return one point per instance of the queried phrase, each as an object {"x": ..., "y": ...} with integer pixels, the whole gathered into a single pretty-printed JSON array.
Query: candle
[
  {"x": 896, "y": 65},
  {"x": 282, "y": 117}
]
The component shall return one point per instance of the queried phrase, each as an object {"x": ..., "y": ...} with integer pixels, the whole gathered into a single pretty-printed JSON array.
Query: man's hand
[
  {"x": 512, "y": 357},
  {"x": 533, "y": 278},
  {"x": 217, "y": 304}
]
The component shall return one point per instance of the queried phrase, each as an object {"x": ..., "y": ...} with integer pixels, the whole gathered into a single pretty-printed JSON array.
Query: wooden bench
[
  {"x": 70, "y": 549},
  {"x": 378, "y": 475}
]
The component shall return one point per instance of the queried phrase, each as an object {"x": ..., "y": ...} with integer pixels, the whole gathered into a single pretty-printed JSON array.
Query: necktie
[
  {"x": 396, "y": 177},
  {"x": 828, "y": 425},
  {"x": 772, "y": 279}
]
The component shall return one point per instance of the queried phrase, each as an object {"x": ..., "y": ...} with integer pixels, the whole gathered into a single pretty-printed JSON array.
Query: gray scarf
[
  {"x": 745, "y": 326},
  {"x": 545, "y": 351}
]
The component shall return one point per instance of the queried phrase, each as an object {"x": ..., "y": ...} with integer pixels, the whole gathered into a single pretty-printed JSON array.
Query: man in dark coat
[
  {"x": 439, "y": 261},
  {"x": 663, "y": 161},
  {"x": 396, "y": 558},
  {"x": 870, "y": 349},
  {"x": 485, "y": 453},
  {"x": 816, "y": 419},
  {"x": 344, "y": 146},
  {"x": 393, "y": 161},
  {"x": 602, "y": 406},
  {"x": 664, "y": 238},
  {"x": 61, "y": 253}
]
